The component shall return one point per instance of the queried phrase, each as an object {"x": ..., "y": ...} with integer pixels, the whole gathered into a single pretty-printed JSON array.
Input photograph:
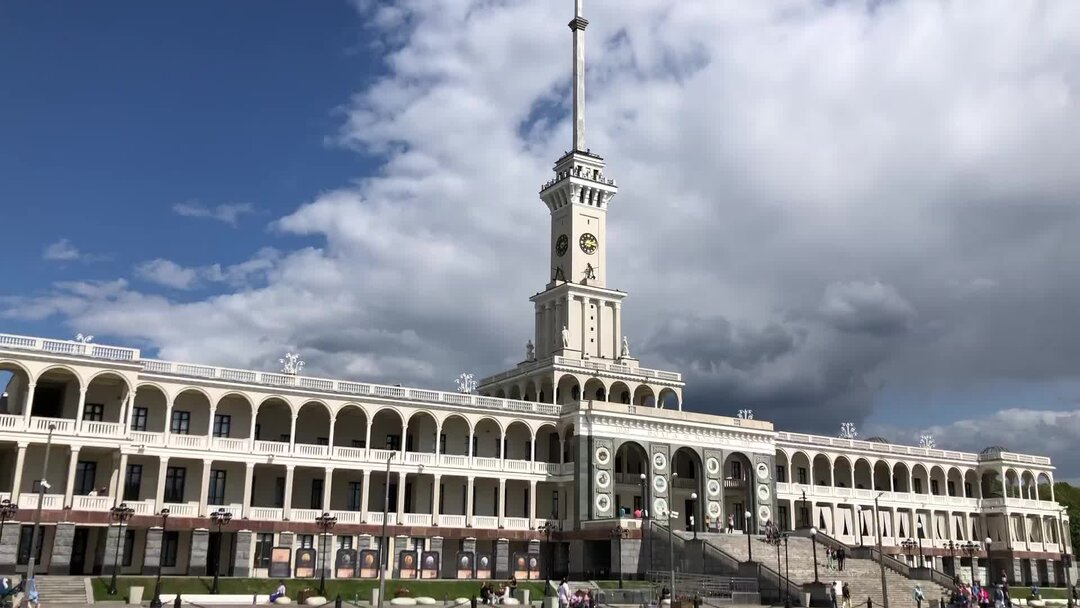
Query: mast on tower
[{"x": 578, "y": 25}]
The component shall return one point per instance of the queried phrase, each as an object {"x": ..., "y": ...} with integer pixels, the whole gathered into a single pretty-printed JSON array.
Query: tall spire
[{"x": 578, "y": 27}]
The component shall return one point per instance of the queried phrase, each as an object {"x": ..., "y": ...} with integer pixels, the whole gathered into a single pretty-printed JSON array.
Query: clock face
[
  {"x": 561, "y": 245},
  {"x": 588, "y": 243}
]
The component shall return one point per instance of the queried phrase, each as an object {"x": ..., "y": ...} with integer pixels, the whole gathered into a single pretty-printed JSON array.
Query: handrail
[{"x": 936, "y": 576}]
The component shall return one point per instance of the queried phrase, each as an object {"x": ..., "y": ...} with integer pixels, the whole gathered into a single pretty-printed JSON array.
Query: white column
[
  {"x": 210, "y": 425},
  {"x": 559, "y": 322},
  {"x": 292, "y": 434},
  {"x": 585, "y": 350},
  {"x": 130, "y": 405},
  {"x": 502, "y": 503},
  {"x": 617, "y": 338},
  {"x": 328, "y": 483},
  {"x": 163, "y": 466},
  {"x": 249, "y": 477},
  {"x": 436, "y": 491},
  {"x": 69, "y": 489},
  {"x": 121, "y": 475},
  {"x": 16, "y": 482},
  {"x": 367, "y": 439},
  {"x": 204, "y": 490},
  {"x": 168, "y": 419},
  {"x": 79, "y": 411},
  {"x": 288, "y": 491},
  {"x": 29, "y": 405},
  {"x": 532, "y": 504},
  {"x": 532, "y": 449},
  {"x": 364, "y": 494},
  {"x": 599, "y": 345},
  {"x": 401, "y": 498},
  {"x": 330, "y": 439},
  {"x": 469, "y": 507}
]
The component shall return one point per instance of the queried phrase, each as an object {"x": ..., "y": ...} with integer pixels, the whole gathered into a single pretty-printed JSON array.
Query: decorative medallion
[
  {"x": 659, "y": 483},
  {"x": 762, "y": 471},
  {"x": 763, "y": 493},
  {"x": 603, "y": 503},
  {"x": 659, "y": 507},
  {"x": 714, "y": 509},
  {"x": 764, "y": 513},
  {"x": 659, "y": 461},
  {"x": 713, "y": 487},
  {"x": 603, "y": 479},
  {"x": 602, "y": 455},
  {"x": 712, "y": 465}
]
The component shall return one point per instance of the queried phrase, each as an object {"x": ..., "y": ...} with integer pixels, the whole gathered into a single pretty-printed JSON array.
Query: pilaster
[
  {"x": 152, "y": 552},
  {"x": 242, "y": 556},
  {"x": 63, "y": 538},
  {"x": 200, "y": 545},
  {"x": 9, "y": 546},
  {"x": 502, "y": 558},
  {"x": 114, "y": 555},
  {"x": 446, "y": 563}
]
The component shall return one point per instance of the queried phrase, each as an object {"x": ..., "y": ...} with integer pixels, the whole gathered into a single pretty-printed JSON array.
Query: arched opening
[
  {"x": 864, "y": 475},
  {"x": 387, "y": 428},
  {"x": 1012, "y": 484},
  {"x": 882, "y": 476},
  {"x": 738, "y": 490},
  {"x": 547, "y": 444},
  {"x": 350, "y": 427},
  {"x": 56, "y": 395},
  {"x": 569, "y": 444},
  {"x": 991, "y": 485},
  {"x": 455, "y": 436},
  {"x": 1027, "y": 486},
  {"x": 190, "y": 413},
  {"x": 517, "y": 443},
  {"x": 631, "y": 462},
  {"x": 644, "y": 396},
  {"x": 420, "y": 433},
  {"x": 313, "y": 424},
  {"x": 106, "y": 397},
  {"x": 620, "y": 393},
  {"x": 273, "y": 421},
  {"x": 515, "y": 392},
  {"x": 842, "y": 473},
  {"x": 14, "y": 388},
  {"x": 487, "y": 438},
  {"x": 972, "y": 488},
  {"x": 937, "y": 481},
  {"x": 901, "y": 478},
  {"x": 531, "y": 392},
  {"x": 1044, "y": 487},
  {"x": 920, "y": 480},
  {"x": 148, "y": 415},
  {"x": 569, "y": 390},
  {"x": 687, "y": 494},
  {"x": 783, "y": 467},
  {"x": 232, "y": 417},
  {"x": 822, "y": 471},
  {"x": 595, "y": 390},
  {"x": 669, "y": 399},
  {"x": 547, "y": 392},
  {"x": 501, "y": 393},
  {"x": 800, "y": 468}
]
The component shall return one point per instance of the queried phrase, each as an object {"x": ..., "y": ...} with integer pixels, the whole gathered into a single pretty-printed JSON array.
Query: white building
[{"x": 575, "y": 439}]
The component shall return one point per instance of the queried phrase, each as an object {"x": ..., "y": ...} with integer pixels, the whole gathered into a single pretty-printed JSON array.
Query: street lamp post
[
  {"x": 385, "y": 541},
  {"x": 746, "y": 525},
  {"x": 787, "y": 573},
  {"x": 156, "y": 602},
  {"x": 671, "y": 548},
  {"x": 42, "y": 486},
  {"x": 546, "y": 529},
  {"x": 1065, "y": 558},
  {"x": 858, "y": 523},
  {"x": 969, "y": 549},
  {"x": 989, "y": 562},
  {"x": 8, "y": 511},
  {"x": 617, "y": 534},
  {"x": 121, "y": 514},
  {"x": 919, "y": 535},
  {"x": 221, "y": 518},
  {"x": 881, "y": 555},
  {"x": 778, "y": 581},
  {"x": 693, "y": 510},
  {"x": 326, "y": 522},
  {"x": 909, "y": 545},
  {"x": 646, "y": 525},
  {"x": 809, "y": 515},
  {"x": 813, "y": 542}
]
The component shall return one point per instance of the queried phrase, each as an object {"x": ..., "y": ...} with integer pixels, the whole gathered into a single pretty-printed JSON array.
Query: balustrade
[
  {"x": 452, "y": 521},
  {"x": 189, "y": 442},
  {"x": 91, "y": 503},
  {"x": 144, "y": 438},
  {"x": 485, "y": 521},
  {"x": 102, "y": 429},
  {"x": 516, "y": 523},
  {"x": 183, "y": 509},
  {"x": 9, "y": 422},
  {"x": 266, "y": 513},
  {"x": 29, "y": 500},
  {"x": 271, "y": 447},
  {"x": 317, "y": 451},
  {"x": 417, "y": 519},
  {"x": 229, "y": 444}
]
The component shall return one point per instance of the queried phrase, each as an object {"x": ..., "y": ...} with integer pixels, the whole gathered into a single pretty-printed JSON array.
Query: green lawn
[
  {"x": 626, "y": 584},
  {"x": 348, "y": 589}
]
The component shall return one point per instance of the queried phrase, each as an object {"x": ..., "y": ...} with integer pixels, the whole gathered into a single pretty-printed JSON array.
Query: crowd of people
[
  {"x": 582, "y": 598},
  {"x": 506, "y": 591}
]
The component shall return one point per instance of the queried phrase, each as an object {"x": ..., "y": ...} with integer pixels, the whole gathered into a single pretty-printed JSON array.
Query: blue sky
[{"x": 827, "y": 211}]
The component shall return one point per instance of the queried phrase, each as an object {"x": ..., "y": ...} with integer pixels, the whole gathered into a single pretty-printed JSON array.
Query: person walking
[
  {"x": 564, "y": 594},
  {"x": 917, "y": 595},
  {"x": 730, "y": 523},
  {"x": 847, "y": 596},
  {"x": 841, "y": 556}
]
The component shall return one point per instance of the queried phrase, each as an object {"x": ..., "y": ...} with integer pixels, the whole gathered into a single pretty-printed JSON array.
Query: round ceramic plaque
[
  {"x": 603, "y": 479},
  {"x": 660, "y": 507},
  {"x": 659, "y": 483},
  {"x": 659, "y": 461},
  {"x": 764, "y": 513},
  {"x": 603, "y": 503},
  {"x": 602, "y": 455},
  {"x": 713, "y": 487},
  {"x": 712, "y": 465},
  {"x": 763, "y": 493},
  {"x": 714, "y": 509},
  {"x": 762, "y": 471}
]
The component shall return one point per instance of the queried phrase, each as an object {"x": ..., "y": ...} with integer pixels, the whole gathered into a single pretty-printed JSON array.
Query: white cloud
[
  {"x": 770, "y": 157},
  {"x": 64, "y": 250},
  {"x": 170, "y": 274},
  {"x": 227, "y": 213}
]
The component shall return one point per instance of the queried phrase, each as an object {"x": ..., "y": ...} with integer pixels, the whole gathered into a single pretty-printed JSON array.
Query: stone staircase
[
  {"x": 863, "y": 576},
  {"x": 54, "y": 590}
]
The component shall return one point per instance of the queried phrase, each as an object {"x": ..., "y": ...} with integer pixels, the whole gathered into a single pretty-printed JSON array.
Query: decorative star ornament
[
  {"x": 291, "y": 364},
  {"x": 847, "y": 430},
  {"x": 84, "y": 339},
  {"x": 926, "y": 441},
  {"x": 746, "y": 414},
  {"x": 466, "y": 383}
]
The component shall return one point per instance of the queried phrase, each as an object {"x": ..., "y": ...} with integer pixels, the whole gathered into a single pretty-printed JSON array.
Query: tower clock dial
[
  {"x": 588, "y": 243},
  {"x": 561, "y": 245}
]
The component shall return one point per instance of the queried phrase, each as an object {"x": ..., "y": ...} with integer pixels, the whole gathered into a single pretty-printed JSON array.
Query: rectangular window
[
  {"x": 951, "y": 488},
  {"x": 781, "y": 473},
  {"x": 181, "y": 422},
  {"x": 85, "y": 472},
  {"x": 393, "y": 442},
  {"x": 132, "y": 481},
  {"x": 442, "y": 496},
  {"x": 216, "y": 491},
  {"x": 392, "y": 507},
  {"x": 174, "y": 484},
  {"x": 344, "y": 542},
  {"x": 554, "y": 505},
  {"x": 736, "y": 470},
  {"x": 408, "y": 498},
  {"x": 316, "y": 493},
  {"x": 933, "y": 486},
  {"x": 305, "y": 541},
  {"x": 442, "y": 443},
  {"x": 353, "y": 503},
  {"x": 284, "y": 437},
  {"x": 322, "y": 441},
  {"x": 93, "y": 412},
  {"x": 782, "y": 515},
  {"x": 279, "y": 492},
  {"x": 408, "y": 443},
  {"x": 359, "y": 443},
  {"x": 737, "y": 511},
  {"x": 264, "y": 543},
  {"x": 802, "y": 475},
  {"x": 258, "y": 432},
  {"x": 129, "y": 548},
  {"x": 222, "y": 425},
  {"x": 25, "y": 533},
  {"x": 918, "y": 486},
  {"x": 170, "y": 546},
  {"x": 139, "y": 416},
  {"x": 967, "y": 489}
]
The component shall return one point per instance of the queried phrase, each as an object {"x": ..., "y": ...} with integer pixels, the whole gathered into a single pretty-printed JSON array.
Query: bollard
[
  {"x": 472, "y": 602},
  {"x": 337, "y": 601},
  {"x": 254, "y": 599},
  {"x": 941, "y": 602},
  {"x": 176, "y": 602},
  {"x": 869, "y": 602}
]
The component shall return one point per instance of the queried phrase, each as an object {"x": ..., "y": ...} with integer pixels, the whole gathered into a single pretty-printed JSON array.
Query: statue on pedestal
[
  {"x": 530, "y": 351},
  {"x": 625, "y": 354},
  {"x": 565, "y": 337}
]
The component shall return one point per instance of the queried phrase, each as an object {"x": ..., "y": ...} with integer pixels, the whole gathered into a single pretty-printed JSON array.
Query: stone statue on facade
[
  {"x": 625, "y": 354},
  {"x": 565, "y": 337},
  {"x": 530, "y": 351}
]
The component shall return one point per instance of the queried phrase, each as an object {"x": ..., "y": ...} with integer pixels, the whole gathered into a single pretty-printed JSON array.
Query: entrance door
[{"x": 78, "y": 551}]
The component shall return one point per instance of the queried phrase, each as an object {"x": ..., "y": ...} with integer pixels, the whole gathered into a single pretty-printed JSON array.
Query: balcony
[
  {"x": 183, "y": 509},
  {"x": 266, "y": 513},
  {"x": 452, "y": 521},
  {"x": 29, "y": 500},
  {"x": 91, "y": 503},
  {"x": 102, "y": 429},
  {"x": 485, "y": 521},
  {"x": 516, "y": 523}
]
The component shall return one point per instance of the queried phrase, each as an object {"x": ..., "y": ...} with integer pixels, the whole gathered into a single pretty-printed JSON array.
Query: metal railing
[{"x": 897, "y": 566}]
